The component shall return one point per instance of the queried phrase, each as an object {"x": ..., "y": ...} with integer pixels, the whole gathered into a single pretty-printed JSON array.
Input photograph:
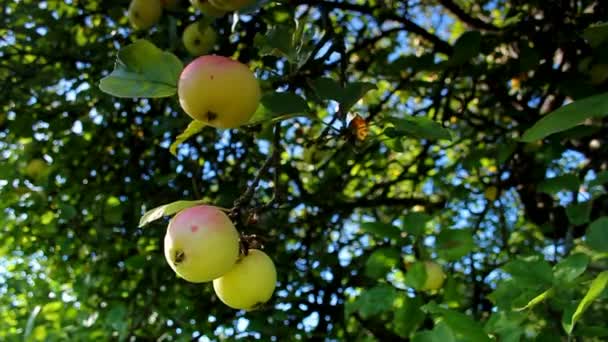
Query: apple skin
[
  {"x": 144, "y": 14},
  {"x": 434, "y": 276},
  {"x": 207, "y": 9},
  {"x": 249, "y": 283},
  {"x": 201, "y": 244},
  {"x": 231, "y": 5},
  {"x": 199, "y": 42},
  {"x": 219, "y": 91}
]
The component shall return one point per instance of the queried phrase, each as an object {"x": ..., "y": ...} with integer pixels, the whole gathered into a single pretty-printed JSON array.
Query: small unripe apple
[
  {"x": 491, "y": 193},
  {"x": 207, "y": 8},
  {"x": 36, "y": 168},
  {"x": 143, "y": 14},
  {"x": 201, "y": 244},
  {"x": 231, "y": 5},
  {"x": 249, "y": 283},
  {"x": 218, "y": 91},
  {"x": 434, "y": 276},
  {"x": 199, "y": 42}
]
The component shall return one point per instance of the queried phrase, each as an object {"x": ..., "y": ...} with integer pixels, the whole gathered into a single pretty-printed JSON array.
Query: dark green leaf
[
  {"x": 554, "y": 185},
  {"x": 416, "y": 275},
  {"x": 579, "y": 213},
  {"x": 466, "y": 47},
  {"x": 441, "y": 333},
  {"x": 408, "y": 315},
  {"x": 143, "y": 70},
  {"x": 381, "y": 261},
  {"x": 376, "y": 300},
  {"x": 417, "y": 127},
  {"x": 285, "y": 103},
  {"x": 530, "y": 273},
  {"x": 453, "y": 244},
  {"x": 414, "y": 222},
  {"x": 596, "y": 34},
  {"x": 329, "y": 89},
  {"x": 601, "y": 178},
  {"x": 382, "y": 230},
  {"x": 568, "y": 116},
  {"x": 597, "y": 234},
  {"x": 597, "y": 287},
  {"x": 570, "y": 268}
]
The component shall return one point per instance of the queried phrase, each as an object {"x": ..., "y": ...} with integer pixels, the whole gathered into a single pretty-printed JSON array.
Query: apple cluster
[{"x": 202, "y": 245}]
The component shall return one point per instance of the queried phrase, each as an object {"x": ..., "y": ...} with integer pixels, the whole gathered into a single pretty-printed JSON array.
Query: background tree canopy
[{"x": 446, "y": 161}]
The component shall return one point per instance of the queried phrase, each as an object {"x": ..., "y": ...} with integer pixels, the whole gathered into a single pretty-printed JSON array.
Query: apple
[
  {"x": 249, "y": 283},
  {"x": 201, "y": 244},
  {"x": 199, "y": 42},
  {"x": 218, "y": 91},
  {"x": 36, "y": 168},
  {"x": 434, "y": 276},
  {"x": 491, "y": 193},
  {"x": 143, "y": 14},
  {"x": 231, "y": 5},
  {"x": 207, "y": 9}
]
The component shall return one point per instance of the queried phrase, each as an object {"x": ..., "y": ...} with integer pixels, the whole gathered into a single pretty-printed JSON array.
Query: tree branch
[{"x": 467, "y": 18}]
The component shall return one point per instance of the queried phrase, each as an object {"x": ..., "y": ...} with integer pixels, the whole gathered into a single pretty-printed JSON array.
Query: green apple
[
  {"x": 144, "y": 14},
  {"x": 218, "y": 91},
  {"x": 201, "y": 244},
  {"x": 207, "y": 9},
  {"x": 36, "y": 168},
  {"x": 434, "y": 276},
  {"x": 231, "y": 5},
  {"x": 249, "y": 283},
  {"x": 199, "y": 42}
]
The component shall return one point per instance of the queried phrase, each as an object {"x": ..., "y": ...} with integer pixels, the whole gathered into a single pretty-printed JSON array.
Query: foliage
[{"x": 485, "y": 150}]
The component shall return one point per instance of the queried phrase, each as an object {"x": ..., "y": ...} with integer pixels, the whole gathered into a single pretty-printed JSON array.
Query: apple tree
[{"x": 335, "y": 170}]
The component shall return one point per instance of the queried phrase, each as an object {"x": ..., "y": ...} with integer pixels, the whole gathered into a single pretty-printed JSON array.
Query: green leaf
[
  {"x": 408, "y": 315},
  {"x": 536, "y": 300},
  {"x": 417, "y": 127},
  {"x": 166, "y": 210},
  {"x": 597, "y": 287},
  {"x": 453, "y": 244},
  {"x": 285, "y": 103},
  {"x": 381, "y": 261},
  {"x": 441, "y": 333},
  {"x": 193, "y": 128},
  {"x": 416, "y": 275},
  {"x": 600, "y": 178},
  {"x": 117, "y": 316},
  {"x": 466, "y": 47},
  {"x": 276, "y": 107},
  {"x": 375, "y": 300},
  {"x": 143, "y": 70},
  {"x": 596, "y": 34},
  {"x": 554, "y": 185},
  {"x": 570, "y": 268},
  {"x": 568, "y": 116},
  {"x": 381, "y": 229},
  {"x": 579, "y": 213},
  {"x": 414, "y": 222},
  {"x": 530, "y": 273},
  {"x": 463, "y": 326},
  {"x": 597, "y": 234},
  {"x": 330, "y": 89}
]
